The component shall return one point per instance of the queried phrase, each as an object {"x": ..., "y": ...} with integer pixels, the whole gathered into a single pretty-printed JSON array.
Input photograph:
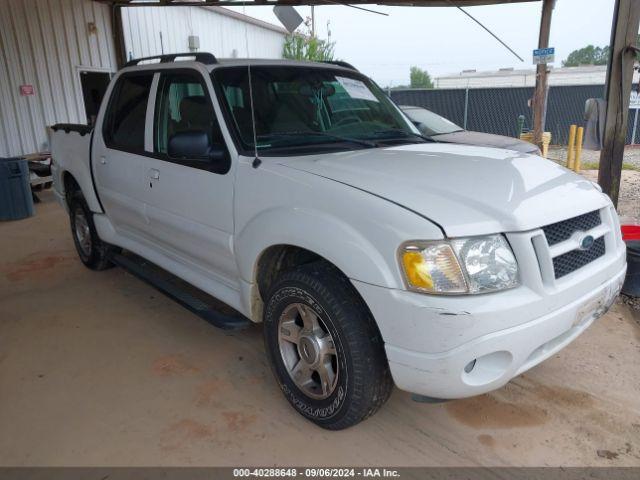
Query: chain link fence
[{"x": 496, "y": 110}]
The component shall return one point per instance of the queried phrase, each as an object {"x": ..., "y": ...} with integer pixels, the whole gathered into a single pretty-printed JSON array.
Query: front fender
[{"x": 323, "y": 234}]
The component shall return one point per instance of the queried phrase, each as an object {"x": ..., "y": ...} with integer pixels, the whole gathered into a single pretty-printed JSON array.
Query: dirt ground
[{"x": 100, "y": 369}]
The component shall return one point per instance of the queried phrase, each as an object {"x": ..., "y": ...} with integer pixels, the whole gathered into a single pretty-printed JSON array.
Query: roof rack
[
  {"x": 202, "y": 57},
  {"x": 340, "y": 63}
]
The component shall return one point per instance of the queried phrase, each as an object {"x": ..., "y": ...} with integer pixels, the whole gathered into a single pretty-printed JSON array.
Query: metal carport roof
[{"x": 399, "y": 3}]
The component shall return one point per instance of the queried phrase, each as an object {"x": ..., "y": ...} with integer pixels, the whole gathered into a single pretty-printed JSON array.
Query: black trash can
[
  {"x": 631, "y": 285},
  {"x": 16, "y": 201}
]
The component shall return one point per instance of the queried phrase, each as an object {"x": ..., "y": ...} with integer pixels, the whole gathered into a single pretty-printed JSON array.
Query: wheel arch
[
  {"x": 284, "y": 238},
  {"x": 70, "y": 185}
]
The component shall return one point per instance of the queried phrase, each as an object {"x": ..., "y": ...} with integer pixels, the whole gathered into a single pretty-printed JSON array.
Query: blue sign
[{"x": 544, "y": 55}]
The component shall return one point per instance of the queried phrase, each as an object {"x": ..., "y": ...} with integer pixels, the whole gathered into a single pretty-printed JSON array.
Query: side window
[
  {"x": 125, "y": 120},
  {"x": 182, "y": 107}
]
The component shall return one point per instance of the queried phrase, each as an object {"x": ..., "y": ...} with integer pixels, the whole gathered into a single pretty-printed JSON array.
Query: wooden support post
[
  {"x": 626, "y": 20},
  {"x": 118, "y": 36},
  {"x": 542, "y": 91}
]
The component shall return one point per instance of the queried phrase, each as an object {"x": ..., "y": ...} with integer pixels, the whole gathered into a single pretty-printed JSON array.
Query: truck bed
[{"x": 70, "y": 152}]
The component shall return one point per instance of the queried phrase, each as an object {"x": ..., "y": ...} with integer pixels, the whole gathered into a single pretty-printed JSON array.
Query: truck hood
[{"x": 466, "y": 190}]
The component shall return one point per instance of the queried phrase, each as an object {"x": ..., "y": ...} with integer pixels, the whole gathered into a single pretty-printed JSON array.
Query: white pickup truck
[{"x": 299, "y": 195}]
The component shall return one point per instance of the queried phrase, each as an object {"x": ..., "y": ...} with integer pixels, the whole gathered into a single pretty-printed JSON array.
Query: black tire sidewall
[
  {"x": 328, "y": 410},
  {"x": 93, "y": 259}
]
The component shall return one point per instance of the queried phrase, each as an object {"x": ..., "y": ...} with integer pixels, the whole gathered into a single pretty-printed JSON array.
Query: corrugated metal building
[
  {"x": 44, "y": 47},
  {"x": 152, "y": 31},
  {"x": 56, "y": 56},
  {"x": 509, "y": 77}
]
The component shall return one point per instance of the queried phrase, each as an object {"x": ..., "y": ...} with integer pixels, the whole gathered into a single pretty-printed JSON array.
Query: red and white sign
[{"x": 26, "y": 90}]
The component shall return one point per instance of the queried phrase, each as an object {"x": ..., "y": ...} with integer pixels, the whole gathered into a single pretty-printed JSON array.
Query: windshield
[
  {"x": 310, "y": 109},
  {"x": 430, "y": 123}
]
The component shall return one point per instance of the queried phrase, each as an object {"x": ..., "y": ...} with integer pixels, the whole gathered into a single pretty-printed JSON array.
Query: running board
[{"x": 193, "y": 299}]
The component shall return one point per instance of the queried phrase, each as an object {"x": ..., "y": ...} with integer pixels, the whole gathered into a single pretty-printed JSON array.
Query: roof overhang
[{"x": 398, "y": 3}]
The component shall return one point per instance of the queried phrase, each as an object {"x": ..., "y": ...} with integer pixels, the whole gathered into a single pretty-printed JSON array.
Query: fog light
[{"x": 470, "y": 366}]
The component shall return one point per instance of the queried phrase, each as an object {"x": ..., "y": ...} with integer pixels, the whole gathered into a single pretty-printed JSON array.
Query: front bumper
[{"x": 429, "y": 343}]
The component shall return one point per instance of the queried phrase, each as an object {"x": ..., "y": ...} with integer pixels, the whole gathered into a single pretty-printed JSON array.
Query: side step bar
[{"x": 198, "y": 302}]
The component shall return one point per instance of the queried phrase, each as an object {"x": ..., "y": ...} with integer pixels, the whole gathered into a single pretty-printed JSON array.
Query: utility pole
[
  {"x": 541, "y": 91},
  {"x": 624, "y": 32},
  {"x": 313, "y": 21}
]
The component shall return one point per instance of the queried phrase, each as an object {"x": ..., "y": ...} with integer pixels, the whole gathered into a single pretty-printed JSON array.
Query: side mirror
[
  {"x": 195, "y": 145},
  {"x": 189, "y": 145}
]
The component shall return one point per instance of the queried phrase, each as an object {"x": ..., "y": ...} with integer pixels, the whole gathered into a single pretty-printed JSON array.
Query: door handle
[{"x": 154, "y": 174}]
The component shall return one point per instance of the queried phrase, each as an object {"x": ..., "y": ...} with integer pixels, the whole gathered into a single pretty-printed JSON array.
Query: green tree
[
  {"x": 588, "y": 55},
  {"x": 591, "y": 55},
  {"x": 304, "y": 46},
  {"x": 420, "y": 78}
]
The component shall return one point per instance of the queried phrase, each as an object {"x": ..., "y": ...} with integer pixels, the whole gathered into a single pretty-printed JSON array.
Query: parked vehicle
[
  {"x": 300, "y": 195},
  {"x": 441, "y": 129}
]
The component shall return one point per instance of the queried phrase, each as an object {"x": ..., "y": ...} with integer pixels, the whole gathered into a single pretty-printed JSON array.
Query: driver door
[{"x": 190, "y": 200}]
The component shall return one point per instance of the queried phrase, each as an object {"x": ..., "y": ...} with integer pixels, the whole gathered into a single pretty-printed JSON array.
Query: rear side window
[{"x": 125, "y": 119}]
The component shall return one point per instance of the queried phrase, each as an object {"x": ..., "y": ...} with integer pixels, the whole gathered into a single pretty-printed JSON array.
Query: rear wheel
[
  {"x": 93, "y": 252},
  {"x": 325, "y": 349}
]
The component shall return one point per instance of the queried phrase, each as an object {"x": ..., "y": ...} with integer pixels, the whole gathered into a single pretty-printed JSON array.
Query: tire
[
  {"x": 346, "y": 347},
  {"x": 93, "y": 252}
]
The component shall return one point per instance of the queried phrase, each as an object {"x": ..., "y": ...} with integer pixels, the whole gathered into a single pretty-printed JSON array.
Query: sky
[{"x": 444, "y": 41}]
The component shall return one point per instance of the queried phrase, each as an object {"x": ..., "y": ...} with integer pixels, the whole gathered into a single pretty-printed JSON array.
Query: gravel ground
[
  {"x": 592, "y": 157},
  {"x": 629, "y": 202},
  {"x": 633, "y": 303}
]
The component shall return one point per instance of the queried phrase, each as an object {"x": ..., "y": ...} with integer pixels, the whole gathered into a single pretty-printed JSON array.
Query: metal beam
[
  {"x": 624, "y": 32},
  {"x": 239, "y": 3}
]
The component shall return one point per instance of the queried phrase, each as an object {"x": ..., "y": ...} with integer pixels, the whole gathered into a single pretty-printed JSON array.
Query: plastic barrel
[
  {"x": 631, "y": 285},
  {"x": 16, "y": 201}
]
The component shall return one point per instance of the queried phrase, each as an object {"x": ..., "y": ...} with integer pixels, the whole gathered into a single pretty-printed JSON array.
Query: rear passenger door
[
  {"x": 190, "y": 194},
  {"x": 119, "y": 155}
]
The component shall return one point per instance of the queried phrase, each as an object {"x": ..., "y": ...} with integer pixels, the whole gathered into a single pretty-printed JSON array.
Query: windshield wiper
[
  {"x": 447, "y": 133},
  {"x": 366, "y": 143},
  {"x": 404, "y": 134}
]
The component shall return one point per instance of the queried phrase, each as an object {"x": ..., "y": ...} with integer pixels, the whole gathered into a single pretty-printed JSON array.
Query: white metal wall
[
  {"x": 45, "y": 43},
  {"x": 220, "y": 34}
]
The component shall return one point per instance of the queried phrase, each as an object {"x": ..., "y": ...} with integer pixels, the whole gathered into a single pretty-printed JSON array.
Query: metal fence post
[
  {"x": 466, "y": 107},
  {"x": 635, "y": 127}
]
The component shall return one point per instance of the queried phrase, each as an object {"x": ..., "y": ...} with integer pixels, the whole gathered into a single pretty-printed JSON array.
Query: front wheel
[{"x": 325, "y": 348}]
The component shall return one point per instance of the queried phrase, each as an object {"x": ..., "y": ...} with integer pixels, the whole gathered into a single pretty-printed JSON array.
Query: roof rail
[
  {"x": 340, "y": 63},
  {"x": 202, "y": 57}
]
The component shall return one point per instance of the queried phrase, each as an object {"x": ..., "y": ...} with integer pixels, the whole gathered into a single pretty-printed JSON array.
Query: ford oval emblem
[{"x": 587, "y": 242}]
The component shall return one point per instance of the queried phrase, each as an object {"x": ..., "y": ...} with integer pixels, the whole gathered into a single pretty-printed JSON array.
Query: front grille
[
  {"x": 571, "y": 261},
  {"x": 562, "y": 231}
]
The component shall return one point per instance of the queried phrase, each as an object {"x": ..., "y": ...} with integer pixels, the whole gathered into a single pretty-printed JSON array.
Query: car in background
[{"x": 440, "y": 129}]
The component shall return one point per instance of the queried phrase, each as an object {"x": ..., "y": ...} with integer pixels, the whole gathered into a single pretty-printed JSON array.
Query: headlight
[{"x": 459, "y": 266}]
